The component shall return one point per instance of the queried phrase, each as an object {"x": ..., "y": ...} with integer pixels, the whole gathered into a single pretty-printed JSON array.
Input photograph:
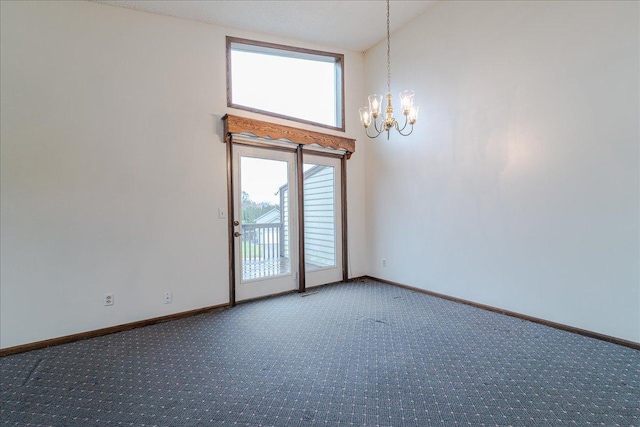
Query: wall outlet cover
[{"x": 108, "y": 299}]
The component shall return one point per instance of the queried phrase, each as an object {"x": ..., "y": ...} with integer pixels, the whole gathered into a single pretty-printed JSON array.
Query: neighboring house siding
[
  {"x": 267, "y": 235},
  {"x": 271, "y": 217},
  {"x": 319, "y": 217}
]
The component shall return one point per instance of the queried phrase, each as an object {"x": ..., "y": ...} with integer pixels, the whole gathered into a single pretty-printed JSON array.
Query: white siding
[{"x": 319, "y": 217}]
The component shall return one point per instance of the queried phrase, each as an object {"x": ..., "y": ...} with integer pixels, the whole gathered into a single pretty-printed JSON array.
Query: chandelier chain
[{"x": 388, "y": 52}]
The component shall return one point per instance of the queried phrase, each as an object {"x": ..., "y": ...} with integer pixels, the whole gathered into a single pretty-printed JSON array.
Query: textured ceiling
[{"x": 354, "y": 25}]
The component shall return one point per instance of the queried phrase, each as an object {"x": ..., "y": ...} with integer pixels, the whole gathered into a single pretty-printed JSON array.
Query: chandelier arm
[
  {"x": 375, "y": 126},
  {"x": 406, "y": 121},
  {"x": 366, "y": 131},
  {"x": 405, "y": 134}
]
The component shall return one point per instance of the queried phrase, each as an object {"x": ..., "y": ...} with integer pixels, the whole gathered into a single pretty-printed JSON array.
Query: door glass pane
[
  {"x": 264, "y": 241},
  {"x": 319, "y": 217}
]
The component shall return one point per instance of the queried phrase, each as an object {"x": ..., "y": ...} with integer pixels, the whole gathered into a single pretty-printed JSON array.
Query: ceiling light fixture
[{"x": 370, "y": 114}]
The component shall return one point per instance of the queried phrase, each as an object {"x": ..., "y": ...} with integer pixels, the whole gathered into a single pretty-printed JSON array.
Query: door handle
[
  {"x": 236, "y": 223},
  {"x": 237, "y": 234}
]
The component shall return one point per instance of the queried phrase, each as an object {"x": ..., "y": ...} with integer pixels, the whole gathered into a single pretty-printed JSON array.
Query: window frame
[{"x": 294, "y": 52}]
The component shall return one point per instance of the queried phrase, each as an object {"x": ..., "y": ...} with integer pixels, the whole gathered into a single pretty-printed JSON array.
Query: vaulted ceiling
[{"x": 354, "y": 25}]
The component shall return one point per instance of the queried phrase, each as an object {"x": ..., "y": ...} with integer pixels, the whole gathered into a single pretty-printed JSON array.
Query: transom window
[{"x": 288, "y": 82}]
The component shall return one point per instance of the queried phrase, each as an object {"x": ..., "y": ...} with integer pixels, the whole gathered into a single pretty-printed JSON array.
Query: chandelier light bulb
[
  {"x": 365, "y": 117},
  {"x": 406, "y": 101},
  {"x": 413, "y": 114},
  {"x": 375, "y": 103}
]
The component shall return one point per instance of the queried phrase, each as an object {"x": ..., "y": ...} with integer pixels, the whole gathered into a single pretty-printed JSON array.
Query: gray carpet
[{"x": 351, "y": 354}]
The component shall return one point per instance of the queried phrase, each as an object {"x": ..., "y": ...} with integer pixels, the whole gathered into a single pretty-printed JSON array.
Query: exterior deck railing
[
  {"x": 263, "y": 253},
  {"x": 262, "y": 242}
]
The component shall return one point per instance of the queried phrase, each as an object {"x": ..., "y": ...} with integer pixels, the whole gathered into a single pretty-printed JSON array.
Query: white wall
[
  {"x": 113, "y": 167},
  {"x": 520, "y": 186}
]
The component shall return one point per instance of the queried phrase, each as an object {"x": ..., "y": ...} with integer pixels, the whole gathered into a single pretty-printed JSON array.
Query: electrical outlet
[
  {"x": 384, "y": 262},
  {"x": 108, "y": 299},
  {"x": 168, "y": 297}
]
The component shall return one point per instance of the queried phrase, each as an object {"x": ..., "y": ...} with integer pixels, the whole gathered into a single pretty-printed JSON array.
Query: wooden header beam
[{"x": 259, "y": 128}]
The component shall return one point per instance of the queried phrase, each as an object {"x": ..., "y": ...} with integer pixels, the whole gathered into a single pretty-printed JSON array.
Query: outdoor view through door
[
  {"x": 266, "y": 225},
  {"x": 319, "y": 217},
  {"x": 265, "y": 218}
]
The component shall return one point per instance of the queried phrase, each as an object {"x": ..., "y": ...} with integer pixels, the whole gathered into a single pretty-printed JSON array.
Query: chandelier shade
[{"x": 369, "y": 115}]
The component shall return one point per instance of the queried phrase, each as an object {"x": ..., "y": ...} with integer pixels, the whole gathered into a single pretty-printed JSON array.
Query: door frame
[{"x": 270, "y": 135}]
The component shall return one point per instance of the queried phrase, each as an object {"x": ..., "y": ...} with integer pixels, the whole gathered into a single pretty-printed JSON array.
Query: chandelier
[{"x": 372, "y": 112}]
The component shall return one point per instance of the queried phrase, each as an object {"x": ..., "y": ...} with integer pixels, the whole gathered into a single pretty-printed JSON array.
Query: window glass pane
[{"x": 286, "y": 83}]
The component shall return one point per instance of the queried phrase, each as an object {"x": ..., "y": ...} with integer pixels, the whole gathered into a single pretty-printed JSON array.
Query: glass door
[
  {"x": 265, "y": 226},
  {"x": 322, "y": 220}
]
